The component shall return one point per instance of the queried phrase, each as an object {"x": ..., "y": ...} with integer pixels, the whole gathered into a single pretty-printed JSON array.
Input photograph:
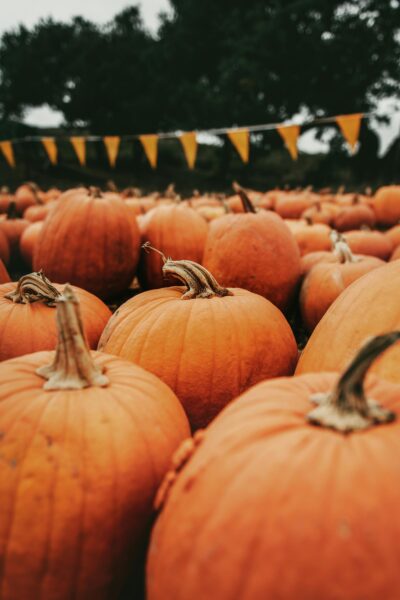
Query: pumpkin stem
[
  {"x": 95, "y": 192},
  {"x": 340, "y": 248},
  {"x": 73, "y": 367},
  {"x": 34, "y": 287},
  {"x": 247, "y": 203},
  {"x": 346, "y": 408},
  {"x": 147, "y": 247}
]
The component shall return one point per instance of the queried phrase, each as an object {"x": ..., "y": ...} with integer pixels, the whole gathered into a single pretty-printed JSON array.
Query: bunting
[
  {"x": 8, "y": 152},
  {"x": 240, "y": 138},
  {"x": 51, "y": 149},
  {"x": 79, "y": 145},
  {"x": 350, "y": 127},
  {"x": 189, "y": 144},
  {"x": 290, "y": 135},
  {"x": 150, "y": 146},
  {"x": 112, "y": 143}
]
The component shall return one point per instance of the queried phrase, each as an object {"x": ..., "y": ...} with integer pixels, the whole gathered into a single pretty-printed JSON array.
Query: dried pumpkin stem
[
  {"x": 247, "y": 203},
  {"x": 147, "y": 247},
  {"x": 341, "y": 249},
  {"x": 347, "y": 409},
  {"x": 34, "y": 287},
  {"x": 73, "y": 366}
]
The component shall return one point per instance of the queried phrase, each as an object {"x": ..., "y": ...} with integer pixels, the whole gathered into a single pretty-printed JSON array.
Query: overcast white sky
[
  {"x": 13, "y": 12},
  {"x": 29, "y": 12}
]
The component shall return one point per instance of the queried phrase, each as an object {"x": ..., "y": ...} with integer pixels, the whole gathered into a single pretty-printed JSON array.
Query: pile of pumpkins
[{"x": 183, "y": 435}]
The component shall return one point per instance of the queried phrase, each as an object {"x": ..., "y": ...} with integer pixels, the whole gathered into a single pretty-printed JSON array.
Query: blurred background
[{"x": 108, "y": 67}]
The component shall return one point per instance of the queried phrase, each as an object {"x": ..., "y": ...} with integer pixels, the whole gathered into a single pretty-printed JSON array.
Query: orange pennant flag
[
  {"x": 189, "y": 144},
  {"x": 150, "y": 146},
  {"x": 51, "y": 148},
  {"x": 350, "y": 128},
  {"x": 112, "y": 143},
  {"x": 8, "y": 153},
  {"x": 79, "y": 145},
  {"x": 290, "y": 134},
  {"x": 240, "y": 138}
]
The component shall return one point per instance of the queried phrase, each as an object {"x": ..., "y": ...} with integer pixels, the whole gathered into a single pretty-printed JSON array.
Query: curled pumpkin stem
[
  {"x": 346, "y": 408},
  {"x": 199, "y": 281},
  {"x": 34, "y": 287},
  {"x": 73, "y": 366}
]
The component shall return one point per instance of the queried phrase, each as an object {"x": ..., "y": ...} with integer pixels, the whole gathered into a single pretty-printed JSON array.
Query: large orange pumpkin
[
  {"x": 327, "y": 280},
  {"x": 91, "y": 241},
  {"x": 254, "y": 251},
  {"x": 206, "y": 342},
  {"x": 265, "y": 505},
  {"x": 28, "y": 241},
  {"x": 179, "y": 232},
  {"x": 27, "y": 315},
  {"x": 85, "y": 441},
  {"x": 372, "y": 243},
  {"x": 370, "y": 306}
]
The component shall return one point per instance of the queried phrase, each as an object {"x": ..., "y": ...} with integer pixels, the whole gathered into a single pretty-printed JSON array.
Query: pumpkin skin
[
  {"x": 313, "y": 238},
  {"x": 4, "y": 276},
  {"x": 31, "y": 327},
  {"x": 356, "y": 315},
  {"x": 326, "y": 281},
  {"x": 79, "y": 473},
  {"x": 266, "y": 499},
  {"x": 28, "y": 241},
  {"x": 4, "y": 248},
  {"x": 353, "y": 217},
  {"x": 13, "y": 227},
  {"x": 386, "y": 204},
  {"x": 256, "y": 252},
  {"x": 207, "y": 350},
  {"x": 394, "y": 235},
  {"x": 26, "y": 196},
  {"x": 308, "y": 261},
  {"x": 372, "y": 243},
  {"x": 395, "y": 254},
  {"x": 179, "y": 232},
  {"x": 90, "y": 240}
]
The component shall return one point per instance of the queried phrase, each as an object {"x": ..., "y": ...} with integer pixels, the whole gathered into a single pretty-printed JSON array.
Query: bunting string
[{"x": 349, "y": 125}]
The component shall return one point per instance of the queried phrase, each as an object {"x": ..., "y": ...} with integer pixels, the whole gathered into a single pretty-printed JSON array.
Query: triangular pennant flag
[
  {"x": 150, "y": 146},
  {"x": 112, "y": 143},
  {"x": 8, "y": 152},
  {"x": 189, "y": 144},
  {"x": 290, "y": 134},
  {"x": 51, "y": 148},
  {"x": 79, "y": 144},
  {"x": 240, "y": 138},
  {"x": 350, "y": 128}
]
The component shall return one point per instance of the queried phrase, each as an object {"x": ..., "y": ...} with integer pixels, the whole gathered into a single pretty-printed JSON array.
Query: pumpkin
[
  {"x": 13, "y": 227},
  {"x": 86, "y": 439},
  {"x": 4, "y": 247},
  {"x": 27, "y": 315},
  {"x": 394, "y": 235},
  {"x": 208, "y": 343},
  {"x": 28, "y": 241},
  {"x": 91, "y": 241},
  {"x": 386, "y": 204},
  {"x": 274, "y": 491},
  {"x": 4, "y": 276},
  {"x": 396, "y": 253},
  {"x": 372, "y": 243},
  {"x": 368, "y": 307},
  {"x": 354, "y": 216},
  {"x": 312, "y": 238},
  {"x": 320, "y": 212},
  {"x": 178, "y": 231},
  {"x": 39, "y": 212},
  {"x": 25, "y": 196},
  {"x": 292, "y": 206},
  {"x": 254, "y": 251},
  {"x": 326, "y": 281}
]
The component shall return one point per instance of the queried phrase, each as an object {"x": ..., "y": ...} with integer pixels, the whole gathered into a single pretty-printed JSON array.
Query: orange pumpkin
[
  {"x": 39, "y": 212},
  {"x": 368, "y": 307},
  {"x": 326, "y": 281},
  {"x": 256, "y": 252},
  {"x": 178, "y": 231},
  {"x": 90, "y": 240},
  {"x": 206, "y": 342},
  {"x": 386, "y": 204},
  {"x": 394, "y": 235},
  {"x": 13, "y": 227},
  {"x": 28, "y": 241},
  {"x": 26, "y": 195},
  {"x": 85, "y": 441},
  {"x": 312, "y": 238},
  {"x": 396, "y": 254},
  {"x": 354, "y": 217},
  {"x": 372, "y": 243},
  {"x": 4, "y": 248},
  {"x": 4, "y": 276},
  {"x": 263, "y": 497},
  {"x": 27, "y": 315}
]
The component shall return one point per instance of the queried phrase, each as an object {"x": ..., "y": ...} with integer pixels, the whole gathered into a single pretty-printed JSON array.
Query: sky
[{"x": 30, "y": 12}]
